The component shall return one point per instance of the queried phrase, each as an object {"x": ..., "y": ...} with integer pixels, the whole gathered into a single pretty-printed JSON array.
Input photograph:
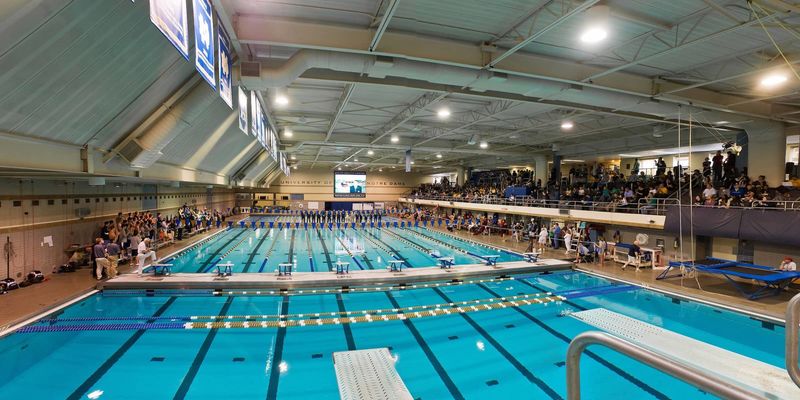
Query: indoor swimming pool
[
  {"x": 231, "y": 344},
  {"x": 317, "y": 249}
]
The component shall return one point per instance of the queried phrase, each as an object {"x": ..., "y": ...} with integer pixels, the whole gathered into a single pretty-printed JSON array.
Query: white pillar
[
  {"x": 461, "y": 175},
  {"x": 766, "y": 151},
  {"x": 540, "y": 163}
]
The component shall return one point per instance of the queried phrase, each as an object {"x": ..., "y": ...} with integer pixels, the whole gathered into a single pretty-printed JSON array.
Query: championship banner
[
  {"x": 225, "y": 67},
  {"x": 169, "y": 16},
  {"x": 204, "y": 44},
  {"x": 243, "y": 110}
]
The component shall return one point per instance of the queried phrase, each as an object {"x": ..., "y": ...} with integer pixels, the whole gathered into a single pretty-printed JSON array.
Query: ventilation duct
[
  {"x": 456, "y": 76},
  {"x": 144, "y": 150}
]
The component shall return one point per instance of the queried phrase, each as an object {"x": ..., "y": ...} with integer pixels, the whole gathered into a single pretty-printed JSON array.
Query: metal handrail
[
  {"x": 792, "y": 322},
  {"x": 687, "y": 373}
]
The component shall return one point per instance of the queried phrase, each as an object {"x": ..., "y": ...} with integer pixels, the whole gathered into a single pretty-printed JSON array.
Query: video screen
[{"x": 349, "y": 184}]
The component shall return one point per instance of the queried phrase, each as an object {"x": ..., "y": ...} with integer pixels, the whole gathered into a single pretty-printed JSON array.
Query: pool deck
[
  {"x": 712, "y": 289},
  {"x": 329, "y": 279}
]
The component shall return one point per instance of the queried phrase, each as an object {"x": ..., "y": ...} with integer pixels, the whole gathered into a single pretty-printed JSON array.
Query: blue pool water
[
  {"x": 314, "y": 249},
  {"x": 506, "y": 353}
]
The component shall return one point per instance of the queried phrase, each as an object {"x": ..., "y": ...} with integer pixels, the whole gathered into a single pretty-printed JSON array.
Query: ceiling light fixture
[
  {"x": 370, "y": 152},
  {"x": 439, "y": 155},
  {"x": 355, "y": 160},
  {"x": 443, "y": 112},
  {"x": 281, "y": 100},
  {"x": 288, "y": 133},
  {"x": 594, "y": 35},
  {"x": 292, "y": 157},
  {"x": 294, "y": 166},
  {"x": 484, "y": 144},
  {"x": 567, "y": 125},
  {"x": 596, "y": 25},
  {"x": 773, "y": 80},
  {"x": 395, "y": 138}
]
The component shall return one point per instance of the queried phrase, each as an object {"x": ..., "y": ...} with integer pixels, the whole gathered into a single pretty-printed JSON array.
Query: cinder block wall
[{"x": 31, "y": 210}]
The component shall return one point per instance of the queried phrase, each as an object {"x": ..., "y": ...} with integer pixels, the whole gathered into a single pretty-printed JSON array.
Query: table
[
  {"x": 446, "y": 262},
  {"x": 225, "y": 269},
  {"x": 531, "y": 257},
  {"x": 166, "y": 269},
  {"x": 285, "y": 269},
  {"x": 396, "y": 265},
  {"x": 492, "y": 259},
  {"x": 342, "y": 267}
]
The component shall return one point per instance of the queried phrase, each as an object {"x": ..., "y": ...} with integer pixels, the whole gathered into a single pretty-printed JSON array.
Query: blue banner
[
  {"x": 203, "y": 41},
  {"x": 243, "y": 110},
  {"x": 225, "y": 67},
  {"x": 169, "y": 16}
]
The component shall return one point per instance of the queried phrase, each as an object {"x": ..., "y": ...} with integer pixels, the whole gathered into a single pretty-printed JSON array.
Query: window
[
  {"x": 63, "y": 201},
  {"x": 34, "y": 203},
  {"x": 648, "y": 167},
  {"x": 51, "y": 202},
  {"x": 17, "y": 203},
  {"x": 684, "y": 162}
]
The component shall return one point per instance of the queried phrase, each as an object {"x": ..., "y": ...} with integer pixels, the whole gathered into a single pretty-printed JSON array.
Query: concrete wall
[{"x": 33, "y": 210}]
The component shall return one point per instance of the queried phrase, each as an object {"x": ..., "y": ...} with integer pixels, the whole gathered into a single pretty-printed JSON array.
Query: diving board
[
  {"x": 756, "y": 376},
  {"x": 368, "y": 374}
]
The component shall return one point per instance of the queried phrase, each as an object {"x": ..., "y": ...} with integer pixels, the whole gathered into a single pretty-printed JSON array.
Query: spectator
[
  {"x": 101, "y": 261},
  {"x": 716, "y": 166},
  {"x": 788, "y": 264}
]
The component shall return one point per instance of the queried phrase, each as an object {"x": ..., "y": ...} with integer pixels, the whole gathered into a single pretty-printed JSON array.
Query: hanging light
[
  {"x": 596, "y": 28},
  {"x": 567, "y": 125},
  {"x": 484, "y": 144},
  {"x": 443, "y": 113},
  {"x": 370, "y": 152},
  {"x": 395, "y": 138},
  {"x": 281, "y": 100},
  {"x": 773, "y": 80}
]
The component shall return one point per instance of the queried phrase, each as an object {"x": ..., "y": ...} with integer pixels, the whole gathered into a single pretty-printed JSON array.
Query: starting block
[
  {"x": 225, "y": 269},
  {"x": 162, "y": 269}
]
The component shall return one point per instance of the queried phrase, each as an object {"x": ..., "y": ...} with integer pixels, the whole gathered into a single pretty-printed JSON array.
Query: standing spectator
[
  {"x": 568, "y": 240},
  {"x": 635, "y": 169},
  {"x": 556, "y": 235},
  {"x": 707, "y": 168},
  {"x": 542, "y": 239},
  {"x": 730, "y": 167},
  {"x": 112, "y": 253},
  {"x": 99, "y": 253},
  {"x": 716, "y": 166},
  {"x": 661, "y": 166}
]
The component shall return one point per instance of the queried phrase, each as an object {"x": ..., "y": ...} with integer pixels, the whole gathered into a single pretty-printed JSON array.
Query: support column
[
  {"x": 556, "y": 173},
  {"x": 540, "y": 165},
  {"x": 460, "y": 176},
  {"x": 766, "y": 151}
]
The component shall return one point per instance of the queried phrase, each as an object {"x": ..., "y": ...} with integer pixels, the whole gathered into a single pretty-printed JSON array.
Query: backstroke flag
[
  {"x": 225, "y": 65},
  {"x": 169, "y": 16},
  {"x": 204, "y": 41}
]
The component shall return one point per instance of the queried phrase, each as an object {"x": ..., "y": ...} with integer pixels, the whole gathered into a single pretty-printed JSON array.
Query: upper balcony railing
[{"x": 656, "y": 206}]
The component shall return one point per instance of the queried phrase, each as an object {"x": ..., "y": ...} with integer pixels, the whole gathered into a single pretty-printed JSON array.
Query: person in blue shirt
[{"x": 556, "y": 235}]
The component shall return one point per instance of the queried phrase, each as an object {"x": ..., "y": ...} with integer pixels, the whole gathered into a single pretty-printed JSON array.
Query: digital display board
[{"x": 349, "y": 184}]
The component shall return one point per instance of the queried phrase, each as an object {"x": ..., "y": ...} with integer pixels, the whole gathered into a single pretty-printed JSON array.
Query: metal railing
[
  {"x": 792, "y": 322},
  {"x": 687, "y": 373},
  {"x": 530, "y": 201},
  {"x": 654, "y": 206}
]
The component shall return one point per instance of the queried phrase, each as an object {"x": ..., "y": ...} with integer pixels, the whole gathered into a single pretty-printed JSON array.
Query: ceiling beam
[
  {"x": 409, "y": 112},
  {"x": 566, "y": 14},
  {"x": 682, "y": 46},
  {"x": 438, "y": 51},
  {"x": 473, "y": 117},
  {"x": 384, "y": 23},
  {"x": 343, "y": 100}
]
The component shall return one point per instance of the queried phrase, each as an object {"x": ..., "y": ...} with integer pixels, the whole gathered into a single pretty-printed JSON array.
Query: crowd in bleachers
[{"x": 599, "y": 187}]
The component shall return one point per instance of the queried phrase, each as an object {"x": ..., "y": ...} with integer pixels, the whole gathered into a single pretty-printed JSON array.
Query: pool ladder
[{"x": 699, "y": 378}]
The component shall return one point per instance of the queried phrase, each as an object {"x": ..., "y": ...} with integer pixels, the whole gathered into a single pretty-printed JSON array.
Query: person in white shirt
[
  {"x": 788, "y": 264},
  {"x": 144, "y": 252},
  {"x": 568, "y": 240},
  {"x": 709, "y": 192},
  {"x": 542, "y": 239}
]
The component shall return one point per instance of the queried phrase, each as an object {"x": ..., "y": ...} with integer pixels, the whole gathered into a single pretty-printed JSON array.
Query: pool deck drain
[{"x": 328, "y": 279}]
